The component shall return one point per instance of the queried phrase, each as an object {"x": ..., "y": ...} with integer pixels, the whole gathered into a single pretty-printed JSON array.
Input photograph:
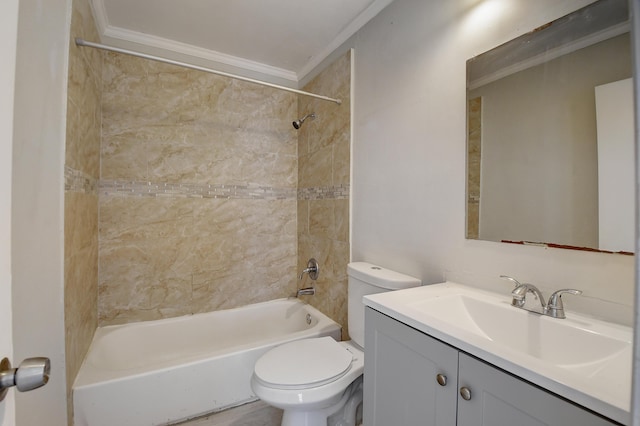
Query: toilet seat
[{"x": 303, "y": 364}]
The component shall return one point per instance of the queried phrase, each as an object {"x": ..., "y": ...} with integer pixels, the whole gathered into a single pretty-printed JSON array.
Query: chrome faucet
[
  {"x": 312, "y": 269},
  {"x": 519, "y": 294},
  {"x": 554, "y": 308},
  {"x": 309, "y": 291}
]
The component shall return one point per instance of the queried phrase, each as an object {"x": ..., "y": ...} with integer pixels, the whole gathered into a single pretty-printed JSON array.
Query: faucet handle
[
  {"x": 313, "y": 269},
  {"x": 555, "y": 307},
  {"x": 513, "y": 280},
  {"x": 518, "y": 293}
]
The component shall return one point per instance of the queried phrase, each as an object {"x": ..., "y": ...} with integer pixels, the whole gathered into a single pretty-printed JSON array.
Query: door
[{"x": 8, "y": 36}]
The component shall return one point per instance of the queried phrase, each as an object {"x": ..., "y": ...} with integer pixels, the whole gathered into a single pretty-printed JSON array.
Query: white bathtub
[{"x": 160, "y": 372}]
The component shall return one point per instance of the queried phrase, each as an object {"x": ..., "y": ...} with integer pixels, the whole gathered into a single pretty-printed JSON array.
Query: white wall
[
  {"x": 409, "y": 155},
  {"x": 37, "y": 204},
  {"x": 8, "y": 36}
]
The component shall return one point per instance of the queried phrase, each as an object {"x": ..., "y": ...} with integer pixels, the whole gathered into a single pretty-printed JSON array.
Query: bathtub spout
[{"x": 309, "y": 291}]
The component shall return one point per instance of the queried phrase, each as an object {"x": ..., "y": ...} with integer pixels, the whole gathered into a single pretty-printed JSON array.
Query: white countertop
[{"x": 604, "y": 388}]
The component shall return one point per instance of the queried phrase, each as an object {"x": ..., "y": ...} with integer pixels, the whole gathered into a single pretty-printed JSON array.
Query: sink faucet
[
  {"x": 519, "y": 293},
  {"x": 554, "y": 308}
]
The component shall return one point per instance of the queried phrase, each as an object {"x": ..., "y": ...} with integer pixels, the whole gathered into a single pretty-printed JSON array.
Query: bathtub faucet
[
  {"x": 309, "y": 291},
  {"x": 312, "y": 269}
]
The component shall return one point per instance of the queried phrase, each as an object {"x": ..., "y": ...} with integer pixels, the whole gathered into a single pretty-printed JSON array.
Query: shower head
[{"x": 298, "y": 123}]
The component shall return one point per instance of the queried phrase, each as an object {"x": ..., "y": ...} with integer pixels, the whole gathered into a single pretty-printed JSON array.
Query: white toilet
[{"x": 318, "y": 382}]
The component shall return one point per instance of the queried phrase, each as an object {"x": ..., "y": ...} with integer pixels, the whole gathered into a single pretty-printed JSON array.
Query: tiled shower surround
[
  {"x": 199, "y": 192},
  {"x": 187, "y": 192},
  {"x": 324, "y": 158},
  {"x": 82, "y": 172}
]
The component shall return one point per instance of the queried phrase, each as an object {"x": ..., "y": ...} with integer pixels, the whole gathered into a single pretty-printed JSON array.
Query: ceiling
[{"x": 280, "y": 39}]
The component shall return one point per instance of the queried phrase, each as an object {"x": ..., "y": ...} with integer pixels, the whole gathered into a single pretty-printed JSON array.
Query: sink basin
[
  {"x": 579, "y": 358},
  {"x": 561, "y": 342}
]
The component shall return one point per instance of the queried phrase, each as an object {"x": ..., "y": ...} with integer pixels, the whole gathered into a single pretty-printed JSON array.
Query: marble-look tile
[
  {"x": 303, "y": 217},
  {"x": 324, "y": 160},
  {"x": 167, "y": 256},
  {"x": 341, "y": 219},
  {"x": 333, "y": 121},
  {"x": 315, "y": 169},
  {"x": 164, "y": 256},
  {"x": 145, "y": 258},
  {"x": 166, "y": 123},
  {"x": 84, "y": 93},
  {"x": 322, "y": 218},
  {"x": 341, "y": 162},
  {"x": 245, "y": 252},
  {"x": 162, "y": 123},
  {"x": 82, "y": 154},
  {"x": 81, "y": 275}
]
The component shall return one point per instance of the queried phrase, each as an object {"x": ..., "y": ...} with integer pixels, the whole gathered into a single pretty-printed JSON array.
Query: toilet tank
[{"x": 365, "y": 279}]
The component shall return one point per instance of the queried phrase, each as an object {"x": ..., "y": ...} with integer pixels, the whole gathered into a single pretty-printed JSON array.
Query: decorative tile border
[
  {"x": 322, "y": 193},
  {"x": 78, "y": 181},
  {"x": 188, "y": 190}
]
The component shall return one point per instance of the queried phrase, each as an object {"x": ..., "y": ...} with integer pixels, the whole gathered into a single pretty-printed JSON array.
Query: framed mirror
[{"x": 550, "y": 140}]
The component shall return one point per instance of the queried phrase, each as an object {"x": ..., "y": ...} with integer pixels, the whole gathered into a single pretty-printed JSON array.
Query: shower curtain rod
[{"x": 85, "y": 43}]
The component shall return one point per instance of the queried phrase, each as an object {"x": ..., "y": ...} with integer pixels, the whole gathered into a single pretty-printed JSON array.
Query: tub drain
[{"x": 308, "y": 318}]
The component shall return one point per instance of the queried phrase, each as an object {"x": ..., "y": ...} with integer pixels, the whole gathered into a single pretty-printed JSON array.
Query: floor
[{"x": 253, "y": 414}]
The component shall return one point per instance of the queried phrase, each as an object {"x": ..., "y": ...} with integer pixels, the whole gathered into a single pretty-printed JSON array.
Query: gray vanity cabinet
[
  {"x": 500, "y": 399},
  {"x": 402, "y": 386},
  {"x": 400, "y": 370}
]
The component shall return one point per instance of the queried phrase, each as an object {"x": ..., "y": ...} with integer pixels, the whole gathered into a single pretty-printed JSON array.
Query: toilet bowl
[
  {"x": 318, "y": 381},
  {"x": 311, "y": 380}
]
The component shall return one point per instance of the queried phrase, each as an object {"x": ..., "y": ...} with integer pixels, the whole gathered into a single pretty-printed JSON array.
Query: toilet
[{"x": 318, "y": 381}]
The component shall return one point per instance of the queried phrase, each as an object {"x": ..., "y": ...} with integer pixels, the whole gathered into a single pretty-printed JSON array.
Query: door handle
[{"x": 31, "y": 374}]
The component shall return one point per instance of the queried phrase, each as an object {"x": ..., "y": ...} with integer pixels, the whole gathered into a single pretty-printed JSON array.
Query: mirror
[{"x": 550, "y": 148}]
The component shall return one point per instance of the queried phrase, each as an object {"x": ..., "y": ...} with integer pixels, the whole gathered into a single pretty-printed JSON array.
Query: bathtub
[{"x": 164, "y": 371}]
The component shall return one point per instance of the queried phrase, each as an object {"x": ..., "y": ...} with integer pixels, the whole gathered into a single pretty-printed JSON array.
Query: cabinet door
[
  {"x": 401, "y": 366},
  {"x": 500, "y": 399}
]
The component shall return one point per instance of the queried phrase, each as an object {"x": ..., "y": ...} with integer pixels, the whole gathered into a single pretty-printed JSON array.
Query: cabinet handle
[
  {"x": 465, "y": 393},
  {"x": 441, "y": 379}
]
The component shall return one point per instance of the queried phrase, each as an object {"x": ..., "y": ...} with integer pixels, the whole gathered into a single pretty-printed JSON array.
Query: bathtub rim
[{"x": 90, "y": 375}]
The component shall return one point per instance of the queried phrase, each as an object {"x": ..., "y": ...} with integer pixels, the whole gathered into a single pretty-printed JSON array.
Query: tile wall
[
  {"x": 324, "y": 160},
  {"x": 197, "y": 192},
  {"x": 207, "y": 197},
  {"x": 82, "y": 162}
]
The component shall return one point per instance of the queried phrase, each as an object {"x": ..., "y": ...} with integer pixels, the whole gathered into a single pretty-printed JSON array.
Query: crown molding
[
  {"x": 99, "y": 16},
  {"x": 108, "y": 31},
  {"x": 376, "y": 7},
  {"x": 198, "y": 52},
  {"x": 124, "y": 37}
]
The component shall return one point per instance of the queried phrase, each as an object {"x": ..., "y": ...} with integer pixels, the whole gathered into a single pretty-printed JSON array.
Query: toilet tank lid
[{"x": 381, "y": 277}]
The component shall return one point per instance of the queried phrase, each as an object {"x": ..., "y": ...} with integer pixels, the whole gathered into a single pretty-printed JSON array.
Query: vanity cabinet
[{"x": 413, "y": 379}]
